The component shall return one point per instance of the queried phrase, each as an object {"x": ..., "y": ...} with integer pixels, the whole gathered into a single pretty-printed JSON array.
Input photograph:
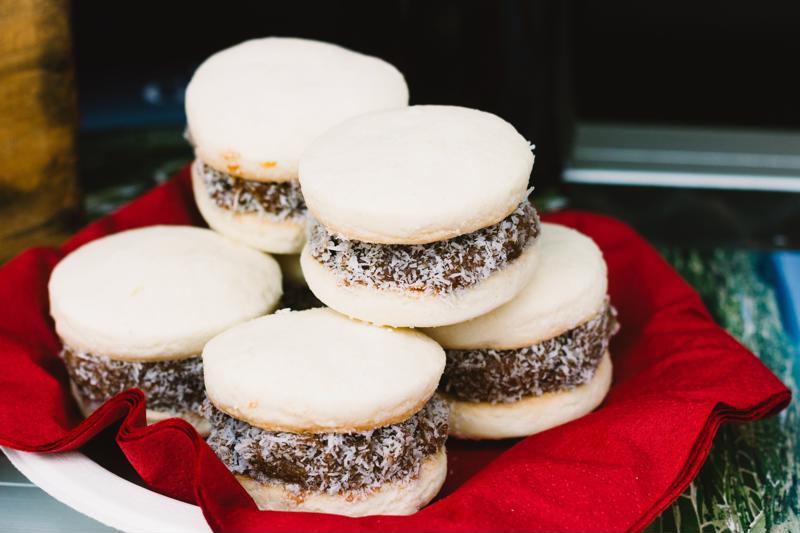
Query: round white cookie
[
  {"x": 416, "y": 175},
  {"x": 407, "y": 308},
  {"x": 253, "y": 108},
  {"x": 318, "y": 371},
  {"x": 158, "y": 293},
  {"x": 393, "y": 498},
  {"x": 567, "y": 289},
  {"x": 534, "y": 414},
  {"x": 261, "y": 232}
]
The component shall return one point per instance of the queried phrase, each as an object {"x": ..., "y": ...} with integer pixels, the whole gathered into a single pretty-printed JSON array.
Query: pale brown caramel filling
[
  {"x": 281, "y": 200},
  {"x": 434, "y": 268},
  {"x": 175, "y": 386},
  {"x": 333, "y": 463},
  {"x": 557, "y": 364}
]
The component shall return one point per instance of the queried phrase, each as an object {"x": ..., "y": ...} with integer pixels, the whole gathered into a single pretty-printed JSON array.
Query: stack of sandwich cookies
[
  {"x": 540, "y": 360},
  {"x": 135, "y": 309},
  {"x": 253, "y": 108},
  {"x": 342, "y": 420},
  {"x": 421, "y": 215}
]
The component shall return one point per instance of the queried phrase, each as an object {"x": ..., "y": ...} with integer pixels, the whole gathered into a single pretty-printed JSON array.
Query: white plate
[{"x": 77, "y": 481}]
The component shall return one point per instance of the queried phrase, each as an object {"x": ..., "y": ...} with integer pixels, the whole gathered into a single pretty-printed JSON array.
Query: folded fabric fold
[{"x": 677, "y": 377}]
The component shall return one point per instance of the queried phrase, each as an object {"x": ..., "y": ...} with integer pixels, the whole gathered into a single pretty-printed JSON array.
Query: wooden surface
[{"x": 38, "y": 116}]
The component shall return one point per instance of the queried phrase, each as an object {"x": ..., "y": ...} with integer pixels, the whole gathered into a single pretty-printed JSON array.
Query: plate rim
[{"x": 78, "y": 482}]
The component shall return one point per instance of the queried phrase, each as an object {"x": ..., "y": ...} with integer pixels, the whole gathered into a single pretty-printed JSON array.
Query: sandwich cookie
[
  {"x": 253, "y": 108},
  {"x": 421, "y": 215},
  {"x": 313, "y": 411},
  {"x": 541, "y": 359},
  {"x": 134, "y": 310}
]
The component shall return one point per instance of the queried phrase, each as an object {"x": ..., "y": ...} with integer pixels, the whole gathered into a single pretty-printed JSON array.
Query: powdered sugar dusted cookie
[
  {"x": 134, "y": 309},
  {"x": 421, "y": 215},
  {"x": 541, "y": 359},
  {"x": 253, "y": 109},
  {"x": 316, "y": 411}
]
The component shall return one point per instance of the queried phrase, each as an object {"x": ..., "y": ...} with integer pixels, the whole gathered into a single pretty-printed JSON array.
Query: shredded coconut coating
[
  {"x": 557, "y": 364},
  {"x": 175, "y": 386},
  {"x": 434, "y": 268},
  {"x": 279, "y": 200},
  {"x": 332, "y": 463}
]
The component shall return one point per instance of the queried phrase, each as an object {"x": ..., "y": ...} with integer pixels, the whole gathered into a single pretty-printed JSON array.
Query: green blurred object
[{"x": 752, "y": 477}]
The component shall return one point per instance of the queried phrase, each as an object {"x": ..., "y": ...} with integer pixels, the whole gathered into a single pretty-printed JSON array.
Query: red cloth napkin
[{"x": 677, "y": 377}]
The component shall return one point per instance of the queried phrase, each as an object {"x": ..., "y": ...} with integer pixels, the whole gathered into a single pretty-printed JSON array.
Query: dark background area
[
  {"x": 537, "y": 63},
  {"x": 707, "y": 63},
  {"x": 542, "y": 65}
]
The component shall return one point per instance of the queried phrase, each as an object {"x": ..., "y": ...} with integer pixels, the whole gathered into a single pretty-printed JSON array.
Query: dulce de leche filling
[
  {"x": 281, "y": 200},
  {"x": 333, "y": 463},
  {"x": 174, "y": 386},
  {"x": 557, "y": 364},
  {"x": 434, "y": 268}
]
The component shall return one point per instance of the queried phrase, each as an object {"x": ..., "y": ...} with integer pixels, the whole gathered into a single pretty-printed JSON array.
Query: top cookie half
[
  {"x": 158, "y": 293},
  {"x": 317, "y": 371},
  {"x": 253, "y": 108},
  {"x": 416, "y": 175}
]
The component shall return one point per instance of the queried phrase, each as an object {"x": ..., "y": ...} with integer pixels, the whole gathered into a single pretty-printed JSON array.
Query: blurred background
[{"x": 679, "y": 117}]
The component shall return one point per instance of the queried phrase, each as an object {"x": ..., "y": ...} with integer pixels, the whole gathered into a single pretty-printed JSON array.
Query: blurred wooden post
[{"x": 38, "y": 119}]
